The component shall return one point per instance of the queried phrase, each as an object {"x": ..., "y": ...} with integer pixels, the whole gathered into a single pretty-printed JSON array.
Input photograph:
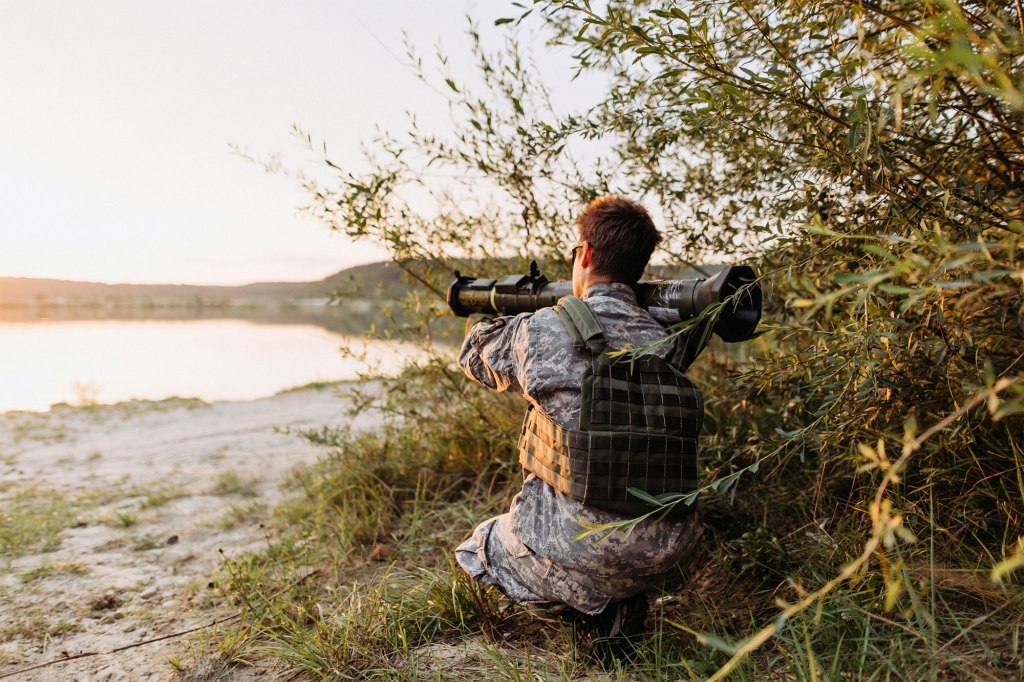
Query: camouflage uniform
[{"x": 530, "y": 553}]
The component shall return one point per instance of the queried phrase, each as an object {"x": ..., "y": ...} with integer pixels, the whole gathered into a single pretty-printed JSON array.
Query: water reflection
[
  {"x": 350, "y": 318},
  {"x": 45, "y": 362}
]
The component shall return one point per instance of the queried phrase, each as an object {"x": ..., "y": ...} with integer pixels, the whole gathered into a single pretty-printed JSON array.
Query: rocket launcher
[{"x": 734, "y": 287}]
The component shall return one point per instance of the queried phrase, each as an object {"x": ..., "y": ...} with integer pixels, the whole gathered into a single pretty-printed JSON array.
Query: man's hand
[{"x": 476, "y": 318}]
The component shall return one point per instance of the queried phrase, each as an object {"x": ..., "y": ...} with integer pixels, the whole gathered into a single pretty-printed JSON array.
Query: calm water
[{"x": 42, "y": 363}]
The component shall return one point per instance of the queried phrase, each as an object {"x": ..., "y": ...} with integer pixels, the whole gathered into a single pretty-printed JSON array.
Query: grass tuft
[
  {"x": 48, "y": 569},
  {"x": 246, "y": 513},
  {"x": 232, "y": 483},
  {"x": 31, "y": 521}
]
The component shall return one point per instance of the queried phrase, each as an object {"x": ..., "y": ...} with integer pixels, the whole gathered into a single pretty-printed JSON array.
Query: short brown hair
[{"x": 621, "y": 234}]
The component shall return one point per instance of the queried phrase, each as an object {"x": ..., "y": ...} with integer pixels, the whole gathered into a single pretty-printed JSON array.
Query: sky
[{"x": 116, "y": 119}]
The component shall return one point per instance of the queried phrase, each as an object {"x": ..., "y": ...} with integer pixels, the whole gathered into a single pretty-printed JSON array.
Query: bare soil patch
[{"x": 115, "y": 518}]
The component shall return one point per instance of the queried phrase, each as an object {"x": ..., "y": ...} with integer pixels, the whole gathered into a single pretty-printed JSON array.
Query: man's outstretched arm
[{"x": 493, "y": 353}]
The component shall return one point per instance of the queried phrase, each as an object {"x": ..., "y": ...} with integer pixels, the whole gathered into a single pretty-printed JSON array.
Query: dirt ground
[{"x": 123, "y": 511}]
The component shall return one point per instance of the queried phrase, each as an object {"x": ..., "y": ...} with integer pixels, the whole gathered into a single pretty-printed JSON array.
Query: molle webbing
[
  {"x": 640, "y": 394},
  {"x": 639, "y": 423}
]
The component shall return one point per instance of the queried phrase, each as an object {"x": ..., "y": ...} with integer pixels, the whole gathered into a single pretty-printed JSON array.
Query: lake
[{"x": 82, "y": 362}]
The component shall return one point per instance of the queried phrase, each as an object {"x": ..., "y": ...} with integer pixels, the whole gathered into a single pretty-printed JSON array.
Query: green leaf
[
  {"x": 644, "y": 495},
  {"x": 716, "y": 642},
  {"x": 1007, "y": 566}
]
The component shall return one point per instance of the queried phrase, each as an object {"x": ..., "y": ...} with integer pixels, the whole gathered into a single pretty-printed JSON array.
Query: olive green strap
[
  {"x": 574, "y": 334},
  {"x": 582, "y": 324}
]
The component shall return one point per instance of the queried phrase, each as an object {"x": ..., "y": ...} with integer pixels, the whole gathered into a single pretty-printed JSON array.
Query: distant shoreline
[
  {"x": 374, "y": 280},
  {"x": 174, "y": 401}
]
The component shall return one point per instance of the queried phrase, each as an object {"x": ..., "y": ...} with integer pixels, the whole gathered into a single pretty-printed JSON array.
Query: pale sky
[{"x": 115, "y": 120}]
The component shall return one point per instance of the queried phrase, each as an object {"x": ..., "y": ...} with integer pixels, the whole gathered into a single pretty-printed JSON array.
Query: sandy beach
[{"x": 123, "y": 512}]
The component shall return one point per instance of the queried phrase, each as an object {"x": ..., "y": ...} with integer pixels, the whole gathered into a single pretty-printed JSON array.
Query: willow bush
[
  {"x": 868, "y": 158},
  {"x": 871, "y": 157}
]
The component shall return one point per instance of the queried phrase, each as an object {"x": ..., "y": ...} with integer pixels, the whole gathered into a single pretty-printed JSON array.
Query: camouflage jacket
[{"x": 531, "y": 354}]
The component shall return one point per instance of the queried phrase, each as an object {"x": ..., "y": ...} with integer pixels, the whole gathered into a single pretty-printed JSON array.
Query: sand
[{"x": 146, "y": 494}]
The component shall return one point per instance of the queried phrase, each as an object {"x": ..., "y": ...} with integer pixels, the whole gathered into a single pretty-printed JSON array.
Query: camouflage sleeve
[
  {"x": 666, "y": 317},
  {"x": 493, "y": 353}
]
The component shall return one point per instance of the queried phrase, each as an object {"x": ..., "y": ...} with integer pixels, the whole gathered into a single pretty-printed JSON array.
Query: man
[{"x": 531, "y": 553}]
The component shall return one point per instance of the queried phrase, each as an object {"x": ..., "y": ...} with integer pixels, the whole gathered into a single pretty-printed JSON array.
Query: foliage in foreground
[
  {"x": 358, "y": 581},
  {"x": 865, "y": 458}
]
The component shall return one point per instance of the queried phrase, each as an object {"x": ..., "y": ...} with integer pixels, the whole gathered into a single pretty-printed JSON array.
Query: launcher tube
[{"x": 516, "y": 294}]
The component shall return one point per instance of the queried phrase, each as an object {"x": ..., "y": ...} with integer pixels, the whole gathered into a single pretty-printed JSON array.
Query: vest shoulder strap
[{"x": 584, "y": 329}]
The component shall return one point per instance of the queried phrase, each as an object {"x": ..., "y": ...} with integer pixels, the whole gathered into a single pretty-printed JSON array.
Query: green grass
[
  {"x": 31, "y": 521},
  {"x": 38, "y": 428},
  {"x": 155, "y": 499},
  {"x": 313, "y": 385},
  {"x": 317, "y": 602},
  {"x": 37, "y": 624},
  {"x": 232, "y": 483},
  {"x": 403, "y": 620},
  {"x": 48, "y": 569},
  {"x": 125, "y": 519},
  {"x": 128, "y": 407},
  {"x": 239, "y": 514}
]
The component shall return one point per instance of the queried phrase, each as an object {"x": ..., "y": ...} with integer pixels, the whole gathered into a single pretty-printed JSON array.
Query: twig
[{"x": 90, "y": 654}]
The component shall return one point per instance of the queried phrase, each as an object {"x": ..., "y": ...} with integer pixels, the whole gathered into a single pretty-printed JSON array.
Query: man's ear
[{"x": 585, "y": 254}]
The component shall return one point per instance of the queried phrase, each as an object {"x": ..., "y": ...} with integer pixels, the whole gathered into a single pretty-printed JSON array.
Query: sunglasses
[{"x": 572, "y": 254}]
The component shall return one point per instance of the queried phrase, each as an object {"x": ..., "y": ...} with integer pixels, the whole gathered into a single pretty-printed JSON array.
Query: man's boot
[{"x": 616, "y": 631}]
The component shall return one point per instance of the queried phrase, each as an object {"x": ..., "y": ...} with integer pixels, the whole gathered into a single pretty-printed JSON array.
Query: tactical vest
[{"x": 639, "y": 422}]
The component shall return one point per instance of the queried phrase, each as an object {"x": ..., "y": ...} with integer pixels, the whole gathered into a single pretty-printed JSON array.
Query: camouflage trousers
[{"x": 494, "y": 555}]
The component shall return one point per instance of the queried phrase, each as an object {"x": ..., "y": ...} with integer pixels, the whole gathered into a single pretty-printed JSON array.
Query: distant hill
[{"x": 372, "y": 281}]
